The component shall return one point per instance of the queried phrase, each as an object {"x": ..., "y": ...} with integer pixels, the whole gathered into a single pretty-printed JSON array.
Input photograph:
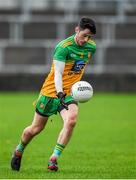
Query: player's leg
[
  {"x": 35, "y": 128},
  {"x": 29, "y": 132},
  {"x": 69, "y": 118}
]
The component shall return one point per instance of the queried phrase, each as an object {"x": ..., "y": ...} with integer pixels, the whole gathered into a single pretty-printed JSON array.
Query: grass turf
[{"x": 103, "y": 144}]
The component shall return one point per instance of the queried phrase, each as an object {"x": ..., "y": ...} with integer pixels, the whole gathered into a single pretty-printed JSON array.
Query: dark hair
[{"x": 87, "y": 23}]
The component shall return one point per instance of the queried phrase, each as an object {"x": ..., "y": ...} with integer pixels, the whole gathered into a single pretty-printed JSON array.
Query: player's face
[{"x": 82, "y": 36}]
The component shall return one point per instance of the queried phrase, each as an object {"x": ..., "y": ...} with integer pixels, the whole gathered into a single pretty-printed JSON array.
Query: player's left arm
[{"x": 93, "y": 48}]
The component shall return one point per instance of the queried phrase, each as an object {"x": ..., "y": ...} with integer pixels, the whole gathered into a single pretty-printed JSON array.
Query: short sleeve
[
  {"x": 60, "y": 54},
  {"x": 93, "y": 49}
]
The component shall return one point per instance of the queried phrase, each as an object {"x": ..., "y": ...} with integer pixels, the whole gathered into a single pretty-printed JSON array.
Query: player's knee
[
  {"x": 73, "y": 116},
  {"x": 71, "y": 123},
  {"x": 37, "y": 129},
  {"x": 28, "y": 132},
  {"x": 72, "y": 120},
  {"x": 33, "y": 130}
]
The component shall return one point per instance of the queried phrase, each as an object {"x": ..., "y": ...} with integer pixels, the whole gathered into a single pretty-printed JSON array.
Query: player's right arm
[
  {"x": 58, "y": 72},
  {"x": 59, "y": 65}
]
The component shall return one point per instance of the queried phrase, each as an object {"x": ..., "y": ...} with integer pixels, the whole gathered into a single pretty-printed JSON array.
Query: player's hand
[{"x": 61, "y": 96}]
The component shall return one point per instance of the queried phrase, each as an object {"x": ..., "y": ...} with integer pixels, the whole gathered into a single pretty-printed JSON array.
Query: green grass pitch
[{"x": 103, "y": 143}]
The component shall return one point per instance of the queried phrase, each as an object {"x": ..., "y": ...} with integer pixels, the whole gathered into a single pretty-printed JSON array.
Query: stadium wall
[
  {"x": 29, "y": 31},
  {"x": 100, "y": 82}
]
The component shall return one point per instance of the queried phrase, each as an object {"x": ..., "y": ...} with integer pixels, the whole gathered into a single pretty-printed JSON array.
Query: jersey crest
[{"x": 78, "y": 66}]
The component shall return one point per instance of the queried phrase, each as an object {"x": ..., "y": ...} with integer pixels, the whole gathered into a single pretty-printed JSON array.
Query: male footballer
[{"x": 69, "y": 61}]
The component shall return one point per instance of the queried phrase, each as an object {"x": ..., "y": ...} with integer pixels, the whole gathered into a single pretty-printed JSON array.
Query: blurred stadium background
[{"x": 29, "y": 30}]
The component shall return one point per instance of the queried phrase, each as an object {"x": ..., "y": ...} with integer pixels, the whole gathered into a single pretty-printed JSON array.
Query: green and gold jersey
[{"x": 76, "y": 58}]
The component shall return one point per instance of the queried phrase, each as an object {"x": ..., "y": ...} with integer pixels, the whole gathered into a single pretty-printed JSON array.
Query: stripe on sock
[{"x": 58, "y": 150}]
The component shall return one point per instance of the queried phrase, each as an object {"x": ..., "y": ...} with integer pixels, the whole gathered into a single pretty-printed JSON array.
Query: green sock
[
  {"x": 58, "y": 150},
  {"x": 20, "y": 147}
]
